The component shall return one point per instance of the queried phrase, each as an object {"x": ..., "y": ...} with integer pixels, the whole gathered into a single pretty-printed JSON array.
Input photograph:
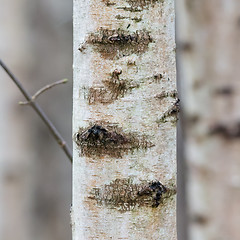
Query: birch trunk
[
  {"x": 209, "y": 57},
  {"x": 124, "y": 120}
]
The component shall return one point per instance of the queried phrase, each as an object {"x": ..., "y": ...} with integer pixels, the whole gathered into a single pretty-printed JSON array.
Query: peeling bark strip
[
  {"x": 124, "y": 195},
  {"x": 118, "y": 43},
  {"x": 98, "y": 141}
]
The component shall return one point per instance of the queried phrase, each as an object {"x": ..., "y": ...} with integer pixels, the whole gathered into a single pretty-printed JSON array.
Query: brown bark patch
[
  {"x": 116, "y": 87},
  {"x": 135, "y": 5},
  {"x": 108, "y": 2},
  {"x": 165, "y": 94},
  {"x": 135, "y": 19},
  {"x": 124, "y": 195},
  {"x": 118, "y": 43},
  {"x": 99, "y": 140},
  {"x": 142, "y": 3},
  {"x": 113, "y": 88}
]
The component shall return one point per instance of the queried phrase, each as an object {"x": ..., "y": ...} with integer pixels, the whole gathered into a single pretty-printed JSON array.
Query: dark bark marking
[
  {"x": 171, "y": 112},
  {"x": 131, "y": 9},
  {"x": 185, "y": 46},
  {"x": 124, "y": 195},
  {"x": 136, "y": 5},
  {"x": 165, "y": 94},
  {"x": 99, "y": 140},
  {"x": 199, "y": 219},
  {"x": 108, "y": 2},
  {"x": 192, "y": 120},
  {"x": 142, "y": 3},
  {"x": 228, "y": 131},
  {"x": 113, "y": 89},
  {"x": 158, "y": 77},
  {"x": 119, "y": 43},
  {"x": 154, "y": 189},
  {"x": 135, "y": 19},
  {"x": 224, "y": 91},
  {"x": 238, "y": 22}
]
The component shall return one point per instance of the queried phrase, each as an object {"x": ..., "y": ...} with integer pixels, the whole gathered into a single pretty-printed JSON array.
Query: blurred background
[{"x": 35, "y": 174}]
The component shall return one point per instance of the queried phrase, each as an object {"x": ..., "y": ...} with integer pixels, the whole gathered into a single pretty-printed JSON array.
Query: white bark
[
  {"x": 124, "y": 81},
  {"x": 209, "y": 42}
]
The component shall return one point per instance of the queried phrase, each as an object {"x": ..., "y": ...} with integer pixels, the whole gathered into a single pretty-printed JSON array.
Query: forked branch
[
  {"x": 40, "y": 112},
  {"x": 44, "y": 89}
]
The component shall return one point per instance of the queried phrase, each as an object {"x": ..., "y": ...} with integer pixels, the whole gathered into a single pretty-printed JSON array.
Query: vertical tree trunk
[
  {"x": 124, "y": 124},
  {"x": 209, "y": 36}
]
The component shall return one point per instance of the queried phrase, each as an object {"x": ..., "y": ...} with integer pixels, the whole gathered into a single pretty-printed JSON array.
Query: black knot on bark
[
  {"x": 156, "y": 189},
  {"x": 96, "y": 133}
]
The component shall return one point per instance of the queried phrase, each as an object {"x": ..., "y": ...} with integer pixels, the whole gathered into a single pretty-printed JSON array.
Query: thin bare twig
[
  {"x": 40, "y": 112},
  {"x": 45, "y": 88}
]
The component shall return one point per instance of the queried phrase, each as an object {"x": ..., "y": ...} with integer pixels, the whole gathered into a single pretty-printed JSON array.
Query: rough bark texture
[
  {"x": 208, "y": 40},
  {"x": 124, "y": 124}
]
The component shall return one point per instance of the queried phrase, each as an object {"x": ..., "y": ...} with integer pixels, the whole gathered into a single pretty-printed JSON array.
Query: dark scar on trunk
[
  {"x": 117, "y": 43},
  {"x": 98, "y": 141},
  {"x": 124, "y": 195},
  {"x": 113, "y": 89}
]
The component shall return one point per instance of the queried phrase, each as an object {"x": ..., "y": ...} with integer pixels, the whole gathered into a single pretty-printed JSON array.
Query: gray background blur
[{"x": 35, "y": 175}]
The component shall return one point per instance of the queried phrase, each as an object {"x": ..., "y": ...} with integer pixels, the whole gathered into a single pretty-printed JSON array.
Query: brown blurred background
[{"x": 35, "y": 177}]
